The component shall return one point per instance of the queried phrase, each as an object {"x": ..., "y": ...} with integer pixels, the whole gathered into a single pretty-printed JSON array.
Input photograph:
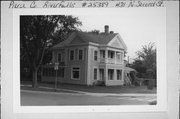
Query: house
[{"x": 88, "y": 59}]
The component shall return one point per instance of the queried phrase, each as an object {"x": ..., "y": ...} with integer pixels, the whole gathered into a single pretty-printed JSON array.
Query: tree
[
  {"x": 94, "y": 31},
  {"x": 39, "y": 33},
  {"x": 145, "y": 63}
]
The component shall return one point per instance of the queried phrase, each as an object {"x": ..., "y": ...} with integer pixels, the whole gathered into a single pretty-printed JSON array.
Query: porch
[
  {"x": 111, "y": 56},
  {"x": 108, "y": 76},
  {"x": 49, "y": 73}
]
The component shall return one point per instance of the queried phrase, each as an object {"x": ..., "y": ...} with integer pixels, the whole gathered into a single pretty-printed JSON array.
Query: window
[
  {"x": 75, "y": 73},
  {"x": 61, "y": 72},
  {"x": 49, "y": 72},
  {"x": 59, "y": 57},
  {"x": 95, "y": 55},
  {"x": 95, "y": 73},
  {"x": 80, "y": 54},
  {"x": 119, "y": 57},
  {"x": 102, "y": 53},
  {"x": 110, "y": 54},
  {"x": 119, "y": 74},
  {"x": 71, "y": 54},
  {"x": 110, "y": 74}
]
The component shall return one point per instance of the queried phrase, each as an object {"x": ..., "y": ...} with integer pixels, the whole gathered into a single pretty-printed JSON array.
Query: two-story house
[{"x": 86, "y": 58}]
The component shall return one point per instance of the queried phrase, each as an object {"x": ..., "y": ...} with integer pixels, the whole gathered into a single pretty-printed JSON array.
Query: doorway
[{"x": 101, "y": 74}]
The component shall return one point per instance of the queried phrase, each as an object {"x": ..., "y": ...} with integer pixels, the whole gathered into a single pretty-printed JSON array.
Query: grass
[{"x": 98, "y": 89}]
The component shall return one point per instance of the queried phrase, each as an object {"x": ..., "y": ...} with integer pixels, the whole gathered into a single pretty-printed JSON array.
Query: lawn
[{"x": 99, "y": 89}]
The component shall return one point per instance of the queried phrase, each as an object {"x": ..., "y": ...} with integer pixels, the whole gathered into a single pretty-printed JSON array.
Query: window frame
[
  {"x": 58, "y": 57},
  {"x": 111, "y": 54},
  {"x": 61, "y": 75},
  {"x": 82, "y": 54},
  {"x": 95, "y": 59},
  {"x": 102, "y": 53},
  {"x": 96, "y": 74},
  {"x": 120, "y": 54},
  {"x": 120, "y": 71},
  {"x": 112, "y": 75},
  {"x": 72, "y": 72},
  {"x": 70, "y": 54}
]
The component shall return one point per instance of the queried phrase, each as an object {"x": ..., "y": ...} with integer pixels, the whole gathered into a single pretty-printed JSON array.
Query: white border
[{"x": 161, "y": 70}]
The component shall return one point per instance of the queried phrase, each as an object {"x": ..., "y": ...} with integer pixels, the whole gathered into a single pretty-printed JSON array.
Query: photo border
[{"x": 14, "y": 103}]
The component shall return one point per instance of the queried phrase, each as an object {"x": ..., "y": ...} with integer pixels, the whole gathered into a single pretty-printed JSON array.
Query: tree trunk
[{"x": 35, "y": 79}]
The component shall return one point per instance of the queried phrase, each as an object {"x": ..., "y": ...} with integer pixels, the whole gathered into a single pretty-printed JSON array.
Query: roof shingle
[
  {"x": 96, "y": 38},
  {"x": 102, "y": 38}
]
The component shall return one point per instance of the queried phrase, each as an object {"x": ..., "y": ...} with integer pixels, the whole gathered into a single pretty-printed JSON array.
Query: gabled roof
[
  {"x": 96, "y": 38},
  {"x": 101, "y": 39}
]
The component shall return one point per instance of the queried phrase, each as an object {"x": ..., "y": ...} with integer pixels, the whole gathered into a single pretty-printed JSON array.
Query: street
[{"x": 41, "y": 98}]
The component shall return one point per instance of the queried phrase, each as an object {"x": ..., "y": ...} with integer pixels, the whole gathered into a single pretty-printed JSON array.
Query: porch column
[
  {"x": 122, "y": 77},
  {"x": 115, "y": 74},
  {"x": 106, "y": 75}
]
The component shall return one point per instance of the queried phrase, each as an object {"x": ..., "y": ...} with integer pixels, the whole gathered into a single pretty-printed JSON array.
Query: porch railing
[{"x": 110, "y": 61}]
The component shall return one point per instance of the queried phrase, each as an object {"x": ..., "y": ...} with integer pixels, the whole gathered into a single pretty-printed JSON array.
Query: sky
[{"x": 136, "y": 26}]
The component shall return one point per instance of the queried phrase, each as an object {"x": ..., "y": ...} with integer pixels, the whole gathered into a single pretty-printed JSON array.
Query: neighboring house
[{"x": 89, "y": 58}]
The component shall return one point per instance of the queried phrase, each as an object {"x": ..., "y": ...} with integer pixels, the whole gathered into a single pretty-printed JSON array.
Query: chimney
[
  {"x": 111, "y": 32},
  {"x": 106, "y": 29}
]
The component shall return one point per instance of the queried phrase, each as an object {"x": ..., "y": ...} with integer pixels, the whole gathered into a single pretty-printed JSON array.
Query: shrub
[{"x": 150, "y": 84}]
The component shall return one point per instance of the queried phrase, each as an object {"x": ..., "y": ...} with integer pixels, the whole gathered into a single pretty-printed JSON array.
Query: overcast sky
[{"x": 137, "y": 26}]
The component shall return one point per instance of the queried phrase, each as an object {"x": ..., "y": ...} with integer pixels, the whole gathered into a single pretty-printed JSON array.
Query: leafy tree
[
  {"x": 145, "y": 63},
  {"x": 39, "y": 33},
  {"x": 95, "y": 31}
]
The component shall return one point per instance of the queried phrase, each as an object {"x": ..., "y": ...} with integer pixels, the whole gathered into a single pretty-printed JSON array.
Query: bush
[
  {"x": 99, "y": 83},
  {"x": 150, "y": 84}
]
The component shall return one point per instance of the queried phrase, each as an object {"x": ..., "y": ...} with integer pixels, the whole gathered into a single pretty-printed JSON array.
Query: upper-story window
[
  {"x": 59, "y": 57},
  {"x": 95, "y": 55},
  {"x": 119, "y": 57},
  {"x": 71, "y": 54},
  {"x": 80, "y": 54},
  {"x": 110, "y": 54},
  {"x": 102, "y": 53}
]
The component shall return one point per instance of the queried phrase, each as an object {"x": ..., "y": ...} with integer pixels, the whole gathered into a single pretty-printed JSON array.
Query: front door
[{"x": 101, "y": 74}]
